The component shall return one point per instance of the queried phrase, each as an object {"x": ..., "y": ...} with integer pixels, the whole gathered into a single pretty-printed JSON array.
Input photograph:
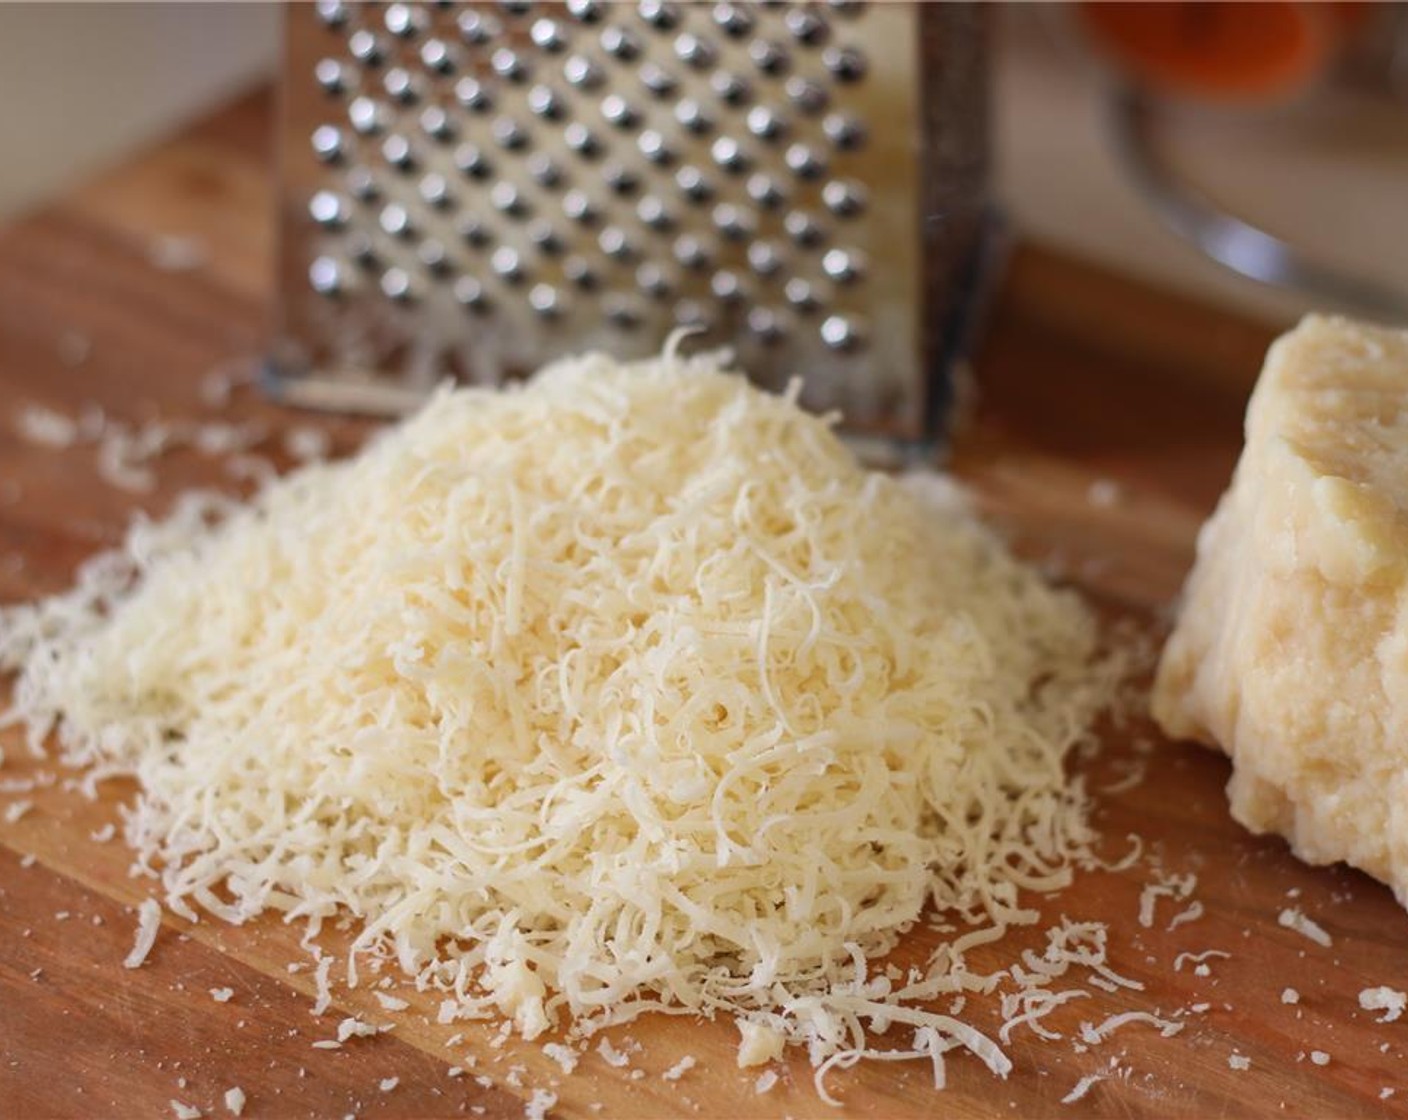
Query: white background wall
[{"x": 82, "y": 84}]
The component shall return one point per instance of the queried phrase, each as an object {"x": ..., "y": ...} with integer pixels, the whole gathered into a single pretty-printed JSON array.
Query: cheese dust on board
[{"x": 625, "y": 690}]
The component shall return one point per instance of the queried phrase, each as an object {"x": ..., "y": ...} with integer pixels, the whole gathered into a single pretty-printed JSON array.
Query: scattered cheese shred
[
  {"x": 539, "y": 1104},
  {"x": 680, "y": 1068},
  {"x": 1238, "y": 1062},
  {"x": 766, "y": 1082},
  {"x": 234, "y": 1101},
  {"x": 148, "y": 922},
  {"x": 1081, "y": 1087},
  {"x": 222, "y": 995},
  {"x": 386, "y": 1084},
  {"x": 1388, "y": 1000},
  {"x": 625, "y": 689},
  {"x": 1290, "y": 995},
  {"x": 1292, "y": 918},
  {"x": 184, "y": 1111}
]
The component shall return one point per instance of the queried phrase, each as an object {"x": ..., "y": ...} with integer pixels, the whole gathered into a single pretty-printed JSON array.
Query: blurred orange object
[{"x": 1222, "y": 51}]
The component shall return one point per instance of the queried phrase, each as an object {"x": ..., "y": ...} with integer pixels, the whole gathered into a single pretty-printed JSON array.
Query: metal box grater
[{"x": 470, "y": 190}]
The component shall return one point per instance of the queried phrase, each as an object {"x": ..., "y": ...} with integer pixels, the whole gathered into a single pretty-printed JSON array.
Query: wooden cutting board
[{"x": 1084, "y": 378}]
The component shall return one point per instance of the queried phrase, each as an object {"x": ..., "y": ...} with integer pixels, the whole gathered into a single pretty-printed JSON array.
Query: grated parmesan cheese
[
  {"x": 766, "y": 1082},
  {"x": 222, "y": 995},
  {"x": 1290, "y": 995},
  {"x": 572, "y": 692},
  {"x": 539, "y": 1104},
  {"x": 680, "y": 1068},
  {"x": 386, "y": 1084},
  {"x": 184, "y": 1111},
  {"x": 234, "y": 1101},
  {"x": 1082, "y": 1087},
  {"x": 148, "y": 922}
]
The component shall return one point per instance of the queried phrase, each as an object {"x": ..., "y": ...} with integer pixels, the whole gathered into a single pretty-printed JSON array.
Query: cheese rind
[{"x": 1291, "y": 648}]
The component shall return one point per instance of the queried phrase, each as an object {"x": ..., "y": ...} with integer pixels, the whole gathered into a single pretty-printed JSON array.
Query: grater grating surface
[{"x": 472, "y": 190}]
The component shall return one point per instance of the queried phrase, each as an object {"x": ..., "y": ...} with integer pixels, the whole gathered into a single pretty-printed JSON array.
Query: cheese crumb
[
  {"x": 758, "y": 1043},
  {"x": 1292, "y": 918},
  {"x": 222, "y": 995},
  {"x": 352, "y": 1027},
  {"x": 386, "y": 1084},
  {"x": 679, "y": 1069},
  {"x": 1319, "y": 1057},
  {"x": 766, "y": 1080},
  {"x": 1385, "y": 999},
  {"x": 1082, "y": 1087},
  {"x": 390, "y": 1003},
  {"x": 185, "y": 1111},
  {"x": 234, "y": 1101},
  {"x": 17, "y": 809},
  {"x": 148, "y": 922},
  {"x": 611, "y": 1056},
  {"x": 1290, "y": 995},
  {"x": 565, "y": 1057},
  {"x": 1238, "y": 1061},
  {"x": 538, "y": 1106}
]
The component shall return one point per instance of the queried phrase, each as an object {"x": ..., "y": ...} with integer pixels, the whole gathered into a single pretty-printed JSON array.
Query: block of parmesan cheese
[{"x": 1291, "y": 648}]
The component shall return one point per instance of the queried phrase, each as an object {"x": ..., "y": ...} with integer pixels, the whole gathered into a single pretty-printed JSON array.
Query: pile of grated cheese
[{"x": 625, "y": 690}]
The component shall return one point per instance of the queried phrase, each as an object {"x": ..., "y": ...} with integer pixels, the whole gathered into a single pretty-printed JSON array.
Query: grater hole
[
  {"x": 693, "y": 184},
  {"x": 807, "y": 95},
  {"x": 734, "y": 223},
  {"x": 764, "y": 259},
  {"x": 615, "y": 244},
  {"x": 845, "y": 133},
  {"x": 579, "y": 273},
  {"x": 660, "y": 14},
  {"x": 804, "y": 162},
  {"x": 509, "y": 65},
  {"x": 769, "y": 57},
  {"x": 507, "y": 264},
  {"x": 544, "y": 102},
  {"x": 731, "y": 88},
  {"x": 434, "y": 257},
  {"x": 472, "y": 162},
  {"x": 728, "y": 153},
  {"x": 848, "y": 8},
  {"x": 691, "y": 253},
  {"x": 403, "y": 20},
  {"x": 331, "y": 75},
  {"x": 396, "y": 150},
  {"x": 367, "y": 117},
  {"x": 400, "y": 86},
  {"x": 692, "y": 117},
  {"x": 654, "y": 214},
  {"x": 545, "y": 238},
  {"x": 396, "y": 285},
  {"x": 622, "y": 312},
  {"x": 439, "y": 56},
  {"x": 694, "y": 51},
  {"x": 329, "y": 209},
  {"x": 333, "y": 13},
  {"x": 435, "y": 190},
  {"x": 547, "y": 301},
  {"x": 806, "y": 27},
  {"x": 588, "y": 11},
  {"x": 365, "y": 47},
  {"x": 765, "y": 324},
  {"x": 842, "y": 265},
  {"x": 803, "y": 228},
  {"x": 543, "y": 170},
  {"x": 395, "y": 219},
  {"x": 436, "y": 123},
  {"x": 473, "y": 232},
  {"x": 471, "y": 93},
  {"x": 508, "y": 199},
  {"x": 622, "y": 180},
  {"x": 658, "y": 82},
  {"x": 844, "y": 199},
  {"x": 801, "y": 295},
  {"x": 620, "y": 44},
  {"x": 764, "y": 190},
  {"x": 578, "y": 207},
  {"x": 846, "y": 64},
  {"x": 548, "y": 35},
  {"x": 581, "y": 140},
  {"x": 653, "y": 147},
  {"x": 516, "y": 7},
  {"x": 727, "y": 287},
  {"x": 477, "y": 28},
  {"x": 362, "y": 185},
  {"x": 618, "y": 111},
  {"x": 733, "y": 20},
  {"x": 509, "y": 134},
  {"x": 325, "y": 276},
  {"x": 839, "y": 333},
  {"x": 654, "y": 281},
  {"x": 764, "y": 123},
  {"x": 581, "y": 72},
  {"x": 362, "y": 251},
  {"x": 328, "y": 143},
  {"x": 469, "y": 293}
]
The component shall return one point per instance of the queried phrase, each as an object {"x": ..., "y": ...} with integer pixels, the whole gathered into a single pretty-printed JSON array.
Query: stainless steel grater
[{"x": 470, "y": 190}]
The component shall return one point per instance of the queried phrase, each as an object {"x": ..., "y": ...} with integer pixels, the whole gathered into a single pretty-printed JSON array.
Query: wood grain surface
[{"x": 1084, "y": 376}]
